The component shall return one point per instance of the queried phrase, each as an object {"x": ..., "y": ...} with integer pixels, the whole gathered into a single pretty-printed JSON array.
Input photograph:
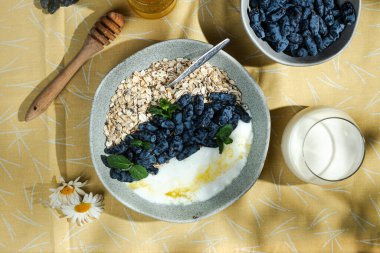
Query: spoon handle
[
  {"x": 47, "y": 96},
  {"x": 101, "y": 34},
  {"x": 200, "y": 61}
]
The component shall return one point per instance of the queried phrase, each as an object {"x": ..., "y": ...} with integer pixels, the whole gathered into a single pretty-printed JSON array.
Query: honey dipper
[{"x": 104, "y": 31}]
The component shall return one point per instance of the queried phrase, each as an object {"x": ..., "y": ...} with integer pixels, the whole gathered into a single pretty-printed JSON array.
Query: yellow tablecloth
[{"x": 279, "y": 214}]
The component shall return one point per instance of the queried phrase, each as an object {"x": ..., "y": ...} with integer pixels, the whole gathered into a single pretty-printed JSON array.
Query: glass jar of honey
[{"x": 152, "y": 8}]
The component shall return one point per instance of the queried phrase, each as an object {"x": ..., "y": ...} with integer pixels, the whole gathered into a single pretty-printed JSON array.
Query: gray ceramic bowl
[
  {"x": 252, "y": 97},
  {"x": 327, "y": 54}
]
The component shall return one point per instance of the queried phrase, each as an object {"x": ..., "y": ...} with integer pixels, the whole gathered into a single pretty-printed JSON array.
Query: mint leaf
[
  {"x": 136, "y": 143},
  {"x": 164, "y": 109},
  {"x": 164, "y": 104},
  {"x": 155, "y": 110},
  {"x": 224, "y": 132},
  {"x": 171, "y": 109},
  {"x": 142, "y": 144},
  {"x": 138, "y": 172},
  {"x": 119, "y": 162},
  {"x": 228, "y": 140},
  {"x": 222, "y": 136},
  {"x": 158, "y": 111},
  {"x": 146, "y": 145},
  {"x": 221, "y": 145}
]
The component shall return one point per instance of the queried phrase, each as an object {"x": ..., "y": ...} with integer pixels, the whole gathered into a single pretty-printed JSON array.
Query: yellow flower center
[
  {"x": 67, "y": 190},
  {"x": 82, "y": 207}
]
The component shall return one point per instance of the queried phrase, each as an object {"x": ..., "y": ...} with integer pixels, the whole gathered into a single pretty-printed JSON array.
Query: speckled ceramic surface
[
  {"x": 327, "y": 54},
  {"x": 252, "y": 97}
]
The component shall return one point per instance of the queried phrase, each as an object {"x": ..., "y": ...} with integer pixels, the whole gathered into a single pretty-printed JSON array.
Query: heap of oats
[{"x": 142, "y": 89}]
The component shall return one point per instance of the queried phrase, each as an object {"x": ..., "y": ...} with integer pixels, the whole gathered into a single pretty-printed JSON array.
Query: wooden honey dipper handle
[{"x": 105, "y": 30}]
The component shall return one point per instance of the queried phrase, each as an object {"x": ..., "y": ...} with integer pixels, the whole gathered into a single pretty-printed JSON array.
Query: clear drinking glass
[
  {"x": 152, "y": 8},
  {"x": 322, "y": 145}
]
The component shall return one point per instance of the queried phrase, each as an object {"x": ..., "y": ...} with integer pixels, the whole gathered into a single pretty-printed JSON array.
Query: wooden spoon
[{"x": 104, "y": 31}]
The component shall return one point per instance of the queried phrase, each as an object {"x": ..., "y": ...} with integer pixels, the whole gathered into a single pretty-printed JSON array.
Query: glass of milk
[{"x": 322, "y": 145}]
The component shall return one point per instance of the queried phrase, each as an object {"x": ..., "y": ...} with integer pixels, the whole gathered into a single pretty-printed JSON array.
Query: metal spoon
[{"x": 201, "y": 60}]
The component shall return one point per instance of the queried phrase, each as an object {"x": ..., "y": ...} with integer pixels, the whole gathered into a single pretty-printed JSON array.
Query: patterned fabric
[{"x": 279, "y": 214}]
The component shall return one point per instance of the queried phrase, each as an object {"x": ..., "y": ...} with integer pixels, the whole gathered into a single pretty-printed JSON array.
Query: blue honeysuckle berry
[
  {"x": 328, "y": 40},
  {"x": 281, "y": 45},
  {"x": 177, "y": 117},
  {"x": 273, "y": 33},
  {"x": 147, "y": 126},
  {"x": 277, "y": 15},
  {"x": 212, "y": 129},
  {"x": 306, "y": 12},
  {"x": 295, "y": 38},
  {"x": 263, "y": 16},
  {"x": 329, "y": 19},
  {"x": 210, "y": 143},
  {"x": 336, "y": 13},
  {"x": 222, "y": 97},
  {"x": 273, "y": 6},
  {"x": 184, "y": 100},
  {"x": 177, "y": 143},
  {"x": 114, "y": 173},
  {"x": 302, "y": 52},
  {"x": 314, "y": 24},
  {"x": 259, "y": 31},
  {"x": 188, "y": 112},
  {"x": 147, "y": 136},
  {"x": 200, "y": 135},
  {"x": 285, "y": 26},
  {"x": 253, "y": 4},
  {"x": 152, "y": 170},
  {"x": 304, "y": 25},
  {"x": 225, "y": 115},
  {"x": 319, "y": 7},
  {"x": 187, "y": 151},
  {"x": 206, "y": 117},
  {"x": 254, "y": 16},
  {"x": 199, "y": 104},
  {"x": 163, "y": 158},
  {"x": 126, "y": 177},
  {"x": 306, "y": 33},
  {"x": 348, "y": 13},
  {"x": 336, "y": 29},
  {"x": 234, "y": 120},
  {"x": 322, "y": 27},
  {"x": 264, "y": 4},
  {"x": 311, "y": 46},
  {"x": 293, "y": 47},
  {"x": 319, "y": 42},
  {"x": 329, "y": 4},
  {"x": 179, "y": 129},
  {"x": 244, "y": 116}
]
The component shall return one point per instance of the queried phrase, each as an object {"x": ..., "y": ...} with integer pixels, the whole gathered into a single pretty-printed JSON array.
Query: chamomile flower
[
  {"x": 84, "y": 211},
  {"x": 67, "y": 193}
]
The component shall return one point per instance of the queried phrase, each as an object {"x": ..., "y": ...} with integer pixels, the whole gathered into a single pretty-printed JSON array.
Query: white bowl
[
  {"x": 337, "y": 47},
  {"x": 252, "y": 97}
]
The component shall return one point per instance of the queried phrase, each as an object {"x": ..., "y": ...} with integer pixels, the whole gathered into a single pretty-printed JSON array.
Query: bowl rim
[
  {"x": 227, "y": 203},
  {"x": 252, "y": 36}
]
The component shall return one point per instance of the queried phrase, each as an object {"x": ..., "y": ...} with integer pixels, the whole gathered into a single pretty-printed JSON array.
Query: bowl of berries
[
  {"x": 184, "y": 153},
  {"x": 300, "y": 32}
]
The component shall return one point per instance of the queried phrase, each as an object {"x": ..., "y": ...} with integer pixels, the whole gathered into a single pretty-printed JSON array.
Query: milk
[{"x": 321, "y": 145}]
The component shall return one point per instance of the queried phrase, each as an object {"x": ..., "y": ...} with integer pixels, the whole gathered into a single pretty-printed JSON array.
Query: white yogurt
[{"x": 200, "y": 176}]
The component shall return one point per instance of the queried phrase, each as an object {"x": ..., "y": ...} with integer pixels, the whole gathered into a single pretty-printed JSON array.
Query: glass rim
[{"x": 363, "y": 144}]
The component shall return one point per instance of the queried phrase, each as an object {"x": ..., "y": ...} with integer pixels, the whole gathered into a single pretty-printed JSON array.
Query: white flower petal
[
  {"x": 80, "y": 191},
  {"x": 61, "y": 180}
]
